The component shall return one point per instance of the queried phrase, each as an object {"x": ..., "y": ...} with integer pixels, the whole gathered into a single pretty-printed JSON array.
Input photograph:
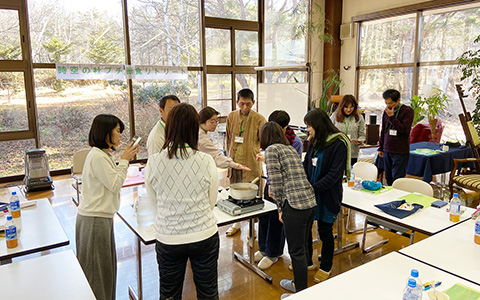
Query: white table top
[
  {"x": 428, "y": 221},
  {"x": 383, "y": 278},
  {"x": 452, "y": 250},
  {"x": 147, "y": 234},
  {"x": 52, "y": 276},
  {"x": 41, "y": 231}
]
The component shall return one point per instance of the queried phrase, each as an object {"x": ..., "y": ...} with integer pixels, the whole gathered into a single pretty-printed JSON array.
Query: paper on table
[
  {"x": 459, "y": 291},
  {"x": 426, "y": 151},
  {"x": 418, "y": 198},
  {"x": 379, "y": 191}
]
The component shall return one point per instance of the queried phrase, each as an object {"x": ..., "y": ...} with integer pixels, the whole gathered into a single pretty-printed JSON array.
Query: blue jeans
[
  {"x": 395, "y": 166},
  {"x": 271, "y": 235}
]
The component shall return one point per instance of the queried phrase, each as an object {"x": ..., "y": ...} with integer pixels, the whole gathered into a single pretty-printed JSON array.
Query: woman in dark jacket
[{"x": 327, "y": 158}]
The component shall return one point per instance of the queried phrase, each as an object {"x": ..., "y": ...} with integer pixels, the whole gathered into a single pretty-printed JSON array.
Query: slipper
[{"x": 232, "y": 231}]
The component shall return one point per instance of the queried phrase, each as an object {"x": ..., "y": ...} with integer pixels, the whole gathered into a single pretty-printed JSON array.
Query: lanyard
[
  {"x": 398, "y": 110},
  {"x": 347, "y": 124},
  {"x": 203, "y": 129},
  {"x": 108, "y": 156},
  {"x": 161, "y": 123}
]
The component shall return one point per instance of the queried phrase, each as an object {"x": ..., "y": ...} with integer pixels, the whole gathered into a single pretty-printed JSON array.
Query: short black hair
[
  {"x": 323, "y": 126},
  {"x": 281, "y": 117},
  {"x": 391, "y": 94},
  {"x": 206, "y": 113},
  {"x": 163, "y": 100},
  {"x": 245, "y": 93},
  {"x": 101, "y": 129},
  {"x": 271, "y": 134}
]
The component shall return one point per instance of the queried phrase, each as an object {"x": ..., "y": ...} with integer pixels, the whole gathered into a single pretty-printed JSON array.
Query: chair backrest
[
  {"x": 365, "y": 170},
  {"x": 413, "y": 185},
  {"x": 79, "y": 160}
]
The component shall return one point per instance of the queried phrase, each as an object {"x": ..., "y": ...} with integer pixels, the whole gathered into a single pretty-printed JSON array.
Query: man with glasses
[{"x": 243, "y": 141}]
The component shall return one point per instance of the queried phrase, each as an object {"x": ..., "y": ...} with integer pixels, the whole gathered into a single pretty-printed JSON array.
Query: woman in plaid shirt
[{"x": 295, "y": 200}]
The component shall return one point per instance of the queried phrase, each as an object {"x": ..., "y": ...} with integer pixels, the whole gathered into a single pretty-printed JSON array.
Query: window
[
  {"x": 13, "y": 108},
  {"x": 10, "y": 48},
  {"x": 232, "y": 9},
  {"x": 13, "y": 156}
]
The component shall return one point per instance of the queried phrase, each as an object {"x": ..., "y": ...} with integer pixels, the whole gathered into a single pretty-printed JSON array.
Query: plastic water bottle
[
  {"x": 477, "y": 230},
  {"x": 146, "y": 211},
  {"x": 14, "y": 205},
  {"x": 411, "y": 292},
  {"x": 455, "y": 204},
  {"x": 11, "y": 233},
  {"x": 414, "y": 275},
  {"x": 351, "y": 180}
]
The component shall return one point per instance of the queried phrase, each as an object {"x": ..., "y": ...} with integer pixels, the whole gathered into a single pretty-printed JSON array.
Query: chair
[
  {"x": 77, "y": 170},
  {"x": 469, "y": 180},
  {"x": 405, "y": 184},
  {"x": 365, "y": 171}
]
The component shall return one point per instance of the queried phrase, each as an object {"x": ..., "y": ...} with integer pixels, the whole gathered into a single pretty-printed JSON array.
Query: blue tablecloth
[{"x": 427, "y": 165}]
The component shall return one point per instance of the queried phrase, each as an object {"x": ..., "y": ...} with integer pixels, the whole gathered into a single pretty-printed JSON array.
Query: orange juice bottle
[
  {"x": 14, "y": 205},
  {"x": 11, "y": 233},
  {"x": 351, "y": 180},
  {"x": 455, "y": 204},
  {"x": 477, "y": 230}
]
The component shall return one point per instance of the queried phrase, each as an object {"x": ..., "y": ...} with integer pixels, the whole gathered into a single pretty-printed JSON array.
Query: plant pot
[{"x": 433, "y": 126}]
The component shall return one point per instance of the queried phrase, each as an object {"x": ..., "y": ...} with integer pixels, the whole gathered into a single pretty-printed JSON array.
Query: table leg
[
  {"x": 131, "y": 291},
  {"x": 250, "y": 263}
]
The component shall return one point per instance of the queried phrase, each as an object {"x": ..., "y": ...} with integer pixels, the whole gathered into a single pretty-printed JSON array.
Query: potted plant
[
  {"x": 435, "y": 103},
  {"x": 418, "y": 111}
]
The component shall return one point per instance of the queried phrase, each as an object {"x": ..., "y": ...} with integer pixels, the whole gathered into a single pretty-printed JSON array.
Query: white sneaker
[
  {"x": 257, "y": 256},
  {"x": 288, "y": 285},
  {"x": 267, "y": 262}
]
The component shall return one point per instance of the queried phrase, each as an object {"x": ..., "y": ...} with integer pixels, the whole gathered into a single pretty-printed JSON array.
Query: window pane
[
  {"x": 217, "y": 42},
  {"x": 10, "y": 48},
  {"x": 76, "y": 31},
  {"x": 165, "y": 33},
  {"x": 446, "y": 35},
  {"x": 445, "y": 78},
  {"x": 246, "y": 47},
  {"x": 147, "y": 95},
  {"x": 66, "y": 109},
  {"x": 219, "y": 92},
  {"x": 285, "y": 23},
  {"x": 13, "y": 108},
  {"x": 232, "y": 9},
  {"x": 13, "y": 156},
  {"x": 374, "y": 82},
  {"x": 285, "y": 77},
  {"x": 387, "y": 41}
]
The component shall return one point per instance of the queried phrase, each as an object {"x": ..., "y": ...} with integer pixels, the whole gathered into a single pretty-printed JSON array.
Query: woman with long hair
[
  {"x": 327, "y": 159},
  {"x": 102, "y": 180},
  {"x": 349, "y": 121},
  {"x": 182, "y": 182}
]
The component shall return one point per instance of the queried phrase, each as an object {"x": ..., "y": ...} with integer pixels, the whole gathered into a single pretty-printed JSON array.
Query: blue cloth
[
  {"x": 321, "y": 213},
  {"x": 391, "y": 209},
  {"x": 427, "y": 165}
]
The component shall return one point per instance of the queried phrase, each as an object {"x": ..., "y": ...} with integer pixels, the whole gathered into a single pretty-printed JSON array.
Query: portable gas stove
[{"x": 238, "y": 207}]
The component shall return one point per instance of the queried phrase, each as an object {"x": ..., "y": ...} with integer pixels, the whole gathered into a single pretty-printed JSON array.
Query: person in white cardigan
[
  {"x": 182, "y": 182},
  {"x": 348, "y": 120},
  {"x": 102, "y": 180}
]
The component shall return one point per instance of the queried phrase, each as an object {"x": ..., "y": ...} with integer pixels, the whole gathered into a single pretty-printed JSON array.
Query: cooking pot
[{"x": 244, "y": 190}]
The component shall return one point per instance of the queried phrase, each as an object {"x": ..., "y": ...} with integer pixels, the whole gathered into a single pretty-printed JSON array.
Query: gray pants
[{"x": 96, "y": 254}]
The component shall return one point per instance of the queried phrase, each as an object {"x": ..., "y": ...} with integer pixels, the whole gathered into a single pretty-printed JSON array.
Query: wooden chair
[
  {"x": 77, "y": 170},
  {"x": 471, "y": 179}
]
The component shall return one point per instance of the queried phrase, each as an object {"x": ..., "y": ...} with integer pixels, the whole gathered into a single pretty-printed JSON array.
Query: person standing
[
  {"x": 243, "y": 141},
  {"x": 156, "y": 138},
  {"x": 327, "y": 159},
  {"x": 182, "y": 183},
  {"x": 102, "y": 180},
  {"x": 394, "y": 146},
  {"x": 349, "y": 121}
]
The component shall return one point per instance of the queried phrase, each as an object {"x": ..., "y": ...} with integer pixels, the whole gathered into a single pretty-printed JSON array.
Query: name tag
[
  {"x": 239, "y": 139},
  {"x": 393, "y": 132},
  {"x": 314, "y": 161},
  {"x": 349, "y": 136}
]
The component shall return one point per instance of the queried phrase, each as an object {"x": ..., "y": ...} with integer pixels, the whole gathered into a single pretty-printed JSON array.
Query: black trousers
[
  {"x": 395, "y": 166},
  {"x": 325, "y": 231},
  {"x": 172, "y": 262},
  {"x": 271, "y": 236},
  {"x": 298, "y": 228}
]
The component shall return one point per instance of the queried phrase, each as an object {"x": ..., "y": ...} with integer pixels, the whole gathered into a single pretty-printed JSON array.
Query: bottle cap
[
  {"x": 414, "y": 273},
  {"x": 14, "y": 193},
  {"x": 351, "y": 167},
  {"x": 9, "y": 218},
  {"x": 412, "y": 282},
  {"x": 455, "y": 195}
]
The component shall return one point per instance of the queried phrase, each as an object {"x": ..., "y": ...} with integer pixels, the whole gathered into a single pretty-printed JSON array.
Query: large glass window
[
  {"x": 246, "y": 47},
  {"x": 10, "y": 48},
  {"x": 219, "y": 89},
  {"x": 217, "y": 42},
  {"x": 13, "y": 104},
  {"x": 13, "y": 156},
  {"x": 232, "y": 9},
  {"x": 285, "y": 26}
]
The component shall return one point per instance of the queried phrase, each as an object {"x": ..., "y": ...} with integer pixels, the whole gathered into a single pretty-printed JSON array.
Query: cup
[
  {"x": 445, "y": 148},
  {"x": 133, "y": 171},
  {"x": 439, "y": 295}
]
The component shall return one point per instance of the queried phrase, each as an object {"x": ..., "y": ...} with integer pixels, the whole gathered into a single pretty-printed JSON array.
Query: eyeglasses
[{"x": 216, "y": 121}]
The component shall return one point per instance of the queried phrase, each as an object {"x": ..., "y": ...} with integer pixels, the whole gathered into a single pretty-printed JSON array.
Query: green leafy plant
[
  {"x": 330, "y": 86},
  {"x": 418, "y": 111},
  {"x": 435, "y": 103},
  {"x": 470, "y": 64}
]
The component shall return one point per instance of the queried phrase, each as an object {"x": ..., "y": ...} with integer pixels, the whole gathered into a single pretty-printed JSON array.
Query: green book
[
  {"x": 418, "y": 198},
  {"x": 459, "y": 291}
]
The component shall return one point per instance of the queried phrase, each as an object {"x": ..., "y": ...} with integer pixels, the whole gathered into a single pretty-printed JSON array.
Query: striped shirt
[{"x": 288, "y": 180}]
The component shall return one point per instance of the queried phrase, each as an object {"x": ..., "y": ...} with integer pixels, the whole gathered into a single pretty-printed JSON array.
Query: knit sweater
[
  {"x": 184, "y": 192},
  {"x": 156, "y": 138},
  {"x": 206, "y": 145},
  {"x": 356, "y": 130},
  {"x": 102, "y": 181}
]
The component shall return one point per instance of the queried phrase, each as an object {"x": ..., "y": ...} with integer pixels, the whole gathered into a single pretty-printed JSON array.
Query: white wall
[{"x": 353, "y": 8}]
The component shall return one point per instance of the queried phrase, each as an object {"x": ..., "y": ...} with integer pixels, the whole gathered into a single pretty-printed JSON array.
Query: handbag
[{"x": 392, "y": 209}]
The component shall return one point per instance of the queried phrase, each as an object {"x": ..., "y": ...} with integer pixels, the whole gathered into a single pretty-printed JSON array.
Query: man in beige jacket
[{"x": 243, "y": 141}]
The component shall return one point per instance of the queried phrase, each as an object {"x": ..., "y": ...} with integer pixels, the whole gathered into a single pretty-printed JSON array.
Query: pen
[{"x": 437, "y": 283}]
